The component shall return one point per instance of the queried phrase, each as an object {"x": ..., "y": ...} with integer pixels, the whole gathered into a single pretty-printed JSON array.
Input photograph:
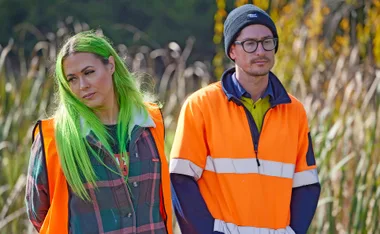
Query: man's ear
[
  {"x": 111, "y": 64},
  {"x": 232, "y": 52}
]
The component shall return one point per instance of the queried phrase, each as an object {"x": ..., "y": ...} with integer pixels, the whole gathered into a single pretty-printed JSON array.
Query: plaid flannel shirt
[{"x": 115, "y": 208}]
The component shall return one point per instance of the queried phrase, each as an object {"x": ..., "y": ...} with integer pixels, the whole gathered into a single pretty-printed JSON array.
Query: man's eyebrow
[
  {"x": 80, "y": 71},
  {"x": 256, "y": 38}
]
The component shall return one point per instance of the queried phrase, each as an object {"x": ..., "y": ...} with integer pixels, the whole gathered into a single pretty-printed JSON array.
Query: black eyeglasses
[{"x": 251, "y": 45}]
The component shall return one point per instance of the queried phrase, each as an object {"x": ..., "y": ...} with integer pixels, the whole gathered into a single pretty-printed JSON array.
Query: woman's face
[{"x": 90, "y": 79}]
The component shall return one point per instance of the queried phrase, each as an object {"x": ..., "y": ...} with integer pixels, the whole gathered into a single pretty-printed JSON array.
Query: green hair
[{"x": 72, "y": 116}]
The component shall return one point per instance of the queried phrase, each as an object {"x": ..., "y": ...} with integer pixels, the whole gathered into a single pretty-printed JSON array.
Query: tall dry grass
[
  {"x": 26, "y": 95},
  {"x": 329, "y": 58},
  {"x": 339, "y": 84},
  {"x": 339, "y": 88},
  {"x": 343, "y": 104}
]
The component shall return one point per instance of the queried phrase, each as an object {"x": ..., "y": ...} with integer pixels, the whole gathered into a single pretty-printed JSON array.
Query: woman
[{"x": 98, "y": 165}]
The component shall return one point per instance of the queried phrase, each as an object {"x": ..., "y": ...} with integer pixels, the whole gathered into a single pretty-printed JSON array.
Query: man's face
[{"x": 259, "y": 62}]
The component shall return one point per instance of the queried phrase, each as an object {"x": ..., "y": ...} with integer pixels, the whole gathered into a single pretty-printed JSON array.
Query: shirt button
[{"x": 135, "y": 184}]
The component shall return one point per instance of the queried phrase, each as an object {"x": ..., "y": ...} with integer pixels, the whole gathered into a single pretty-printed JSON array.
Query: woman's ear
[{"x": 111, "y": 64}]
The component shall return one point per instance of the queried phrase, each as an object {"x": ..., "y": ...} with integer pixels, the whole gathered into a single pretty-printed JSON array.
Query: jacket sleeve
[
  {"x": 37, "y": 188},
  {"x": 188, "y": 160},
  {"x": 306, "y": 187},
  {"x": 189, "y": 150},
  {"x": 190, "y": 208}
]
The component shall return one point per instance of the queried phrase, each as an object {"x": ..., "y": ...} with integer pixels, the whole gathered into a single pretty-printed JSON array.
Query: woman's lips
[{"x": 88, "y": 96}]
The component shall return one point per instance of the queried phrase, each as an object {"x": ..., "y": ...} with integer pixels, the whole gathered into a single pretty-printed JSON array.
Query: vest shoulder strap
[{"x": 156, "y": 114}]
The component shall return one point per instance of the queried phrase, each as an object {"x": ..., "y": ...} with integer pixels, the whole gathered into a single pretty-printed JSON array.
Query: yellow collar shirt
[{"x": 258, "y": 108}]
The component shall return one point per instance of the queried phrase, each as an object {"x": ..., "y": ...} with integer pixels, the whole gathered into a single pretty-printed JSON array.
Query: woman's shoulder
[{"x": 43, "y": 126}]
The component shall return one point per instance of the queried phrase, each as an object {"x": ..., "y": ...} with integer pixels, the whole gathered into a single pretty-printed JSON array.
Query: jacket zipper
[{"x": 256, "y": 141}]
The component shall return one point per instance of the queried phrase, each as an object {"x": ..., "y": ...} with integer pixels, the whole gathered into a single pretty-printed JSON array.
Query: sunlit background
[{"x": 329, "y": 57}]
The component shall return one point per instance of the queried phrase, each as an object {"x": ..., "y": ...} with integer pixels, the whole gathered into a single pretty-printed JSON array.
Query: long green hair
[{"x": 72, "y": 117}]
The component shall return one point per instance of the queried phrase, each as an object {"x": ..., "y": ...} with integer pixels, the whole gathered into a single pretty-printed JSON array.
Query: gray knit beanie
[{"x": 240, "y": 18}]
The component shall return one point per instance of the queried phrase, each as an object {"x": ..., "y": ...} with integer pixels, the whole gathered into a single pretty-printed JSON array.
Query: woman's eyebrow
[{"x": 80, "y": 71}]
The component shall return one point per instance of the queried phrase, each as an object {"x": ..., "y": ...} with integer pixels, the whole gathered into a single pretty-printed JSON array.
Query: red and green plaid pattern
[{"x": 115, "y": 208}]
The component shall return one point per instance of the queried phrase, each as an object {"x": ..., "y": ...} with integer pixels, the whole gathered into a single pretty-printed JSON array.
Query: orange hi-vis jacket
[
  {"x": 56, "y": 220},
  {"x": 245, "y": 179}
]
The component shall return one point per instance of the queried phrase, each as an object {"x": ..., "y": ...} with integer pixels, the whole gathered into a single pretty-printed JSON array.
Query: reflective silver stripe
[
  {"x": 185, "y": 167},
  {"x": 230, "y": 228},
  {"x": 305, "y": 178},
  {"x": 249, "y": 165}
]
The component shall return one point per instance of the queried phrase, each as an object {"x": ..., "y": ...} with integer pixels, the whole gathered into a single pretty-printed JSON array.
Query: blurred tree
[
  {"x": 152, "y": 23},
  {"x": 325, "y": 29},
  {"x": 328, "y": 49},
  {"x": 169, "y": 20}
]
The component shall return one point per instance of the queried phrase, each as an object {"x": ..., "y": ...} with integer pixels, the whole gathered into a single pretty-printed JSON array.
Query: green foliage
[
  {"x": 21, "y": 103},
  {"x": 336, "y": 76},
  {"x": 26, "y": 90},
  {"x": 328, "y": 58},
  {"x": 129, "y": 22}
]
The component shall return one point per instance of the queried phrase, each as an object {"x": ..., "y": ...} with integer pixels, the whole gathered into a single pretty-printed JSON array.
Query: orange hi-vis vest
[
  {"x": 56, "y": 220},
  {"x": 247, "y": 188}
]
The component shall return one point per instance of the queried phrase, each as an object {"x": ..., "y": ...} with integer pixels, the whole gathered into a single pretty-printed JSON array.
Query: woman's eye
[
  {"x": 88, "y": 72},
  {"x": 71, "y": 79}
]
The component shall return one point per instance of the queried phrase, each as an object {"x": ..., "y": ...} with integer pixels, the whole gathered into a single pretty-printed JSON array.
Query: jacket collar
[
  {"x": 241, "y": 92},
  {"x": 233, "y": 93}
]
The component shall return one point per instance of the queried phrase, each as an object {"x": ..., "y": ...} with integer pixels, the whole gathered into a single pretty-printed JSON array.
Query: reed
[{"x": 340, "y": 88}]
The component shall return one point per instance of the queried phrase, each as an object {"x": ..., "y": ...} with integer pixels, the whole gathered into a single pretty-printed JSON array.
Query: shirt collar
[
  {"x": 140, "y": 117},
  {"x": 241, "y": 92}
]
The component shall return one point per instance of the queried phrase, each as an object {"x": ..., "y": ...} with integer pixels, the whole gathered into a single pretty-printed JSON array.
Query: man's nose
[{"x": 260, "y": 48}]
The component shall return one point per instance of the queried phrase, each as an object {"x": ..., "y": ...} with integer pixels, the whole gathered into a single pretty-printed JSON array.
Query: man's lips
[
  {"x": 88, "y": 96},
  {"x": 260, "y": 61}
]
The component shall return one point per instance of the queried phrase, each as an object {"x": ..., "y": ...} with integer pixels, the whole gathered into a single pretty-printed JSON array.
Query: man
[{"x": 242, "y": 159}]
